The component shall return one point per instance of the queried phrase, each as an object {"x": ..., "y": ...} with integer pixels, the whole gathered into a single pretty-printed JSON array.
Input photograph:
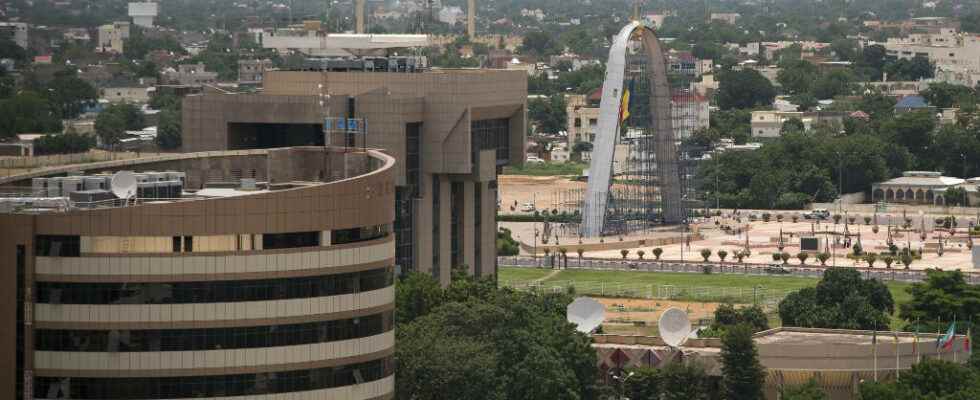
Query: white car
[
  {"x": 534, "y": 160},
  {"x": 527, "y": 207}
]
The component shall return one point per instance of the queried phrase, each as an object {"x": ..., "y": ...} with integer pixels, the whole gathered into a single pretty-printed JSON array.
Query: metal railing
[
  {"x": 717, "y": 294},
  {"x": 812, "y": 271}
]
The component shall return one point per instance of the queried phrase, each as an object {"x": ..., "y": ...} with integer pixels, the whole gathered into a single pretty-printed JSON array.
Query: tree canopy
[
  {"x": 472, "y": 340},
  {"x": 842, "y": 300},
  {"x": 742, "y": 375},
  {"x": 746, "y": 88}
]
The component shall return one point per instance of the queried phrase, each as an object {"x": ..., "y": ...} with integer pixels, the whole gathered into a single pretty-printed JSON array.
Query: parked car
[
  {"x": 819, "y": 213},
  {"x": 534, "y": 160},
  {"x": 527, "y": 207}
]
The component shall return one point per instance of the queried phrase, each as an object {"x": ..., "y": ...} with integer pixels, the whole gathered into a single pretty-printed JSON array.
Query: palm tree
[
  {"x": 871, "y": 258},
  {"x": 657, "y": 252},
  {"x": 722, "y": 254},
  {"x": 785, "y": 257},
  {"x": 823, "y": 257},
  {"x": 802, "y": 256},
  {"x": 706, "y": 254},
  {"x": 888, "y": 261},
  {"x": 641, "y": 253},
  {"x": 624, "y": 252},
  {"x": 739, "y": 256}
]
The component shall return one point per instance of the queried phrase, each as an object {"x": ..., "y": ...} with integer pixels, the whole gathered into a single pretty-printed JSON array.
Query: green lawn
[
  {"x": 547, "y": 169},
  {"x": 521, "y": 274},
  {"x": 612, "y": 278}
]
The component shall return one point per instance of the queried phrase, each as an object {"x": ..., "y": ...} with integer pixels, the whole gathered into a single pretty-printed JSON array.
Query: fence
[
  {"x": 810, "y": 271},
  {"x": 11, "y": 165},
  {"x": 718, "y": 294}
]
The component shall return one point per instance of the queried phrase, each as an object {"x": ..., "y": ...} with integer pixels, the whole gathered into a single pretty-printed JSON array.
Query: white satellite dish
[
  {"x": 674, "y": 326},
  {"x": 587, "y": 314},
  {"x": 123, "y": 184}
]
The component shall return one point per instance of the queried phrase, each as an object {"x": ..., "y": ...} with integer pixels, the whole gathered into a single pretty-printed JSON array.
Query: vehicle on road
[
  {"x": 527, "y": 207},
  {"x": 819, "y": 213}
]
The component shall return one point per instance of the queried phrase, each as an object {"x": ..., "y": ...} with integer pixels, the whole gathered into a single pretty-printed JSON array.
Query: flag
[
  {"x": 874, "y": 350},
  {"x": 624, "y": 106},
  {"x": 946, "y": 341},
  {"x": 915, "y": 342}
]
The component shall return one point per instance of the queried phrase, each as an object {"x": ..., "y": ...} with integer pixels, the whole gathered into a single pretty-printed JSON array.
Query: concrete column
[
  {"x": 468, "y": 225},
  {"x": 445, "y": 230},
  {"x": 471, "y": 18},
  {"x": 423, "y": 227},
  {"x": 359, "y": 16},
  {"x": 488, "y": 233}
]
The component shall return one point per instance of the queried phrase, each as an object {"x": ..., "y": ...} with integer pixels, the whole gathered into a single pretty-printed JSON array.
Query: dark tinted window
[
  {"x": 290, "y": 240},
  {"x": 57, "y": 246},
  {"x": 214, "y": 291}
]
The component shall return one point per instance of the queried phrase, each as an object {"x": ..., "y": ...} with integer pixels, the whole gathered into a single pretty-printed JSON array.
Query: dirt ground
[
  {"x": 650, "y": 310},
  {"x": 542, "y": 190}
]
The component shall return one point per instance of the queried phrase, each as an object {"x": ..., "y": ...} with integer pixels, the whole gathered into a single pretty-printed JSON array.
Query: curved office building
[{"x": 257, "y": 274}]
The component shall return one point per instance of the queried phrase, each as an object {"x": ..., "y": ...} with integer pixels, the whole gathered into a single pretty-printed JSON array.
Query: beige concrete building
[
  {"x": 282, "y": 283},
  {"x": 769, "y": 123},
  {"x": 925, "y": 187},
  {"x": 112, "y": 37},
  {"x": 838, "y": 360},
  {"x": 451, "y": 131},
  {"x": 251, "y": 71},
  {"x": 583, "y": 119}
]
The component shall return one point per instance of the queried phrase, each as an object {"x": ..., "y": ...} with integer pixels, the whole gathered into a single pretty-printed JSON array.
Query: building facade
[
  {"x": 583, "y": 119},
  {"x": 769, "y": 123},
  {"x": 690, "y": 112},
  {"x": 250, "y": 71},
  {"x": 112, "y": 37},
  {"x": 15, "y": 32},
  {"x": 452, "y": 131},
  {"x": 281, "y": 287}
]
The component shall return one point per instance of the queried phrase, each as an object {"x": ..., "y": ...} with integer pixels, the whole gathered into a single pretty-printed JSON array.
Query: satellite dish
[
  {"x": 587, "y": 314},
  {"x": 674, "y": 326},
  {"x": 123, "y": 184}
]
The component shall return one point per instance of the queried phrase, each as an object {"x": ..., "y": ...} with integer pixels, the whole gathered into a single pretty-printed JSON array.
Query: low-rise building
[
  {"x": 924, "y": 187},
  {"x": 189, "y": 74},
  {"x": 128, "y": 94},
  {"x": 769, "y": 124},
  {"x": 728, "y": 18},
  {"x": 689, "y": 112},
  {"x": 112, "y": 37},
  {"x": 583, "y": 117},
  {"x": 15, "y": 32},
  {"x": 251, "y": 71}
]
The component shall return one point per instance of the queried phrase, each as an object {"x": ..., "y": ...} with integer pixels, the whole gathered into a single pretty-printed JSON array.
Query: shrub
[
  {"x": 722, "y": 254},
  {"x": 706, "y": 254},
  {"x": 624, "y": 253},
  {"x": 657, "y": 252},
  {"x": 802, "y": 257},
  {"x": 706, "y": 269}
]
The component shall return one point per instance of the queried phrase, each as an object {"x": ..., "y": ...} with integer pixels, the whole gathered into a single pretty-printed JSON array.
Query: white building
[
  {"x": 143, "y": 13},
  {"x": 559, "y": 153},
  {"x": 956, "y": 55},
  {"x": 769, "y": 124},
  {"x": 451, "y": 15},
  {"x": 728, "y": 18},
  {"x": 15, "y": 32},
  {"x": 112, "y": 37}
]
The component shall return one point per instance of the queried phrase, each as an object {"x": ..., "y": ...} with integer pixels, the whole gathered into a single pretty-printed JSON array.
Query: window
[
  {"x": 290, "y": 240},
  {"x": 176, "y": 244},
  {"x": 456, "y": 201},
  {"x": 354, "y": 235},
  {"x": 578, "y": 122},
  {"x": 213, "y": 338},
  {"x": 213, "y": 291},
  {"x": 593, "y": 122},
  {"x": 217, "y": 385},
  {"x": 436, "y": 218},
  {"x": 57, "y": 245},
  {"x": 188, "y": 244},
  {"x": 21, "y": 276},
  {"x": 491, "y": 134}
]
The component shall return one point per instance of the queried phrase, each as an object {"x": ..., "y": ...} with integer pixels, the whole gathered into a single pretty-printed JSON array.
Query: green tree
[
  {"x": 69, "y": 93},
  {"x": 911, "y": 130},
  {"x": 169, "y": 129},
  {"x": 110, "y": 127},
  {"x": 808, "y": 391},
  {"x": 945, "y": 95},
  {"x": 792, "y": 125},
  {"x": 416, "y": 295},
  {"x": 842, "y": 299},
  {"x": 27, "y": 112},
  {"x": 548, "y": 114},
  {"x": 834, "y": 83},
  {"x": 796, "y": 76},
  {"x": 744, "y": 89},
  {"x": 539, "y": 43},
  {"x": 909, "y": 70},
  {"x": 928, "y": 379},
  {"x": 944, "y": 295},
  {"x": 742, "y": 375}
]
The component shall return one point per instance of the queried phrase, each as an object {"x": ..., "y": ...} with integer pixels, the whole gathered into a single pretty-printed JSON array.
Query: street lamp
[{"x": 622, "y": 382}]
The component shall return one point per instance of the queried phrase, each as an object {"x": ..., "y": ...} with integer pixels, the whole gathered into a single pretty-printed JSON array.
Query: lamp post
[{"x": 622, "y": 383}]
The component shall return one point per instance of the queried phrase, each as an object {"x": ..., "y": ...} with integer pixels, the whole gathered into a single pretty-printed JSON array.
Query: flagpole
[
  {"x": 952, "y": 349},
  {"x": 874, "y": 350},
  {"x": 898, "y": 361},
  {"x": 915, "y": 343}
]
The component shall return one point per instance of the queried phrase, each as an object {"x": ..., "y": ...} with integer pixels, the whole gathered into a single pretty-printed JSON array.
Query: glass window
[
  {"x": 213, "y": 386},
  {"x": 213, "y": 291}
]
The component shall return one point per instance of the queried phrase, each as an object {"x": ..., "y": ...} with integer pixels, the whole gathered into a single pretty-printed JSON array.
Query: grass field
[
  {"x": 780, "y": 283},
  {"x": 546, "y": 169}
]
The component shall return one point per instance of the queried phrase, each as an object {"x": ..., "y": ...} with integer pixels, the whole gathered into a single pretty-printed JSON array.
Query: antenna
[
  {"x": 587, "y": 314},
  {"x": 674, "y": 326},
  {"x": 123, "y": 184}
]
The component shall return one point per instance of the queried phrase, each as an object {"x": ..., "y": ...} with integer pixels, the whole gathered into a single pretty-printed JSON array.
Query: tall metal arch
[{"x": 604, "y": 145}]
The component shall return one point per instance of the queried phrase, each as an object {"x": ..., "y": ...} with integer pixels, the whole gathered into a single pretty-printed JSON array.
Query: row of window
[
  {"x": 212, "y": 339},
  {"x": 212, "y": 386},
  {"x": 213, "y": 292}
]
